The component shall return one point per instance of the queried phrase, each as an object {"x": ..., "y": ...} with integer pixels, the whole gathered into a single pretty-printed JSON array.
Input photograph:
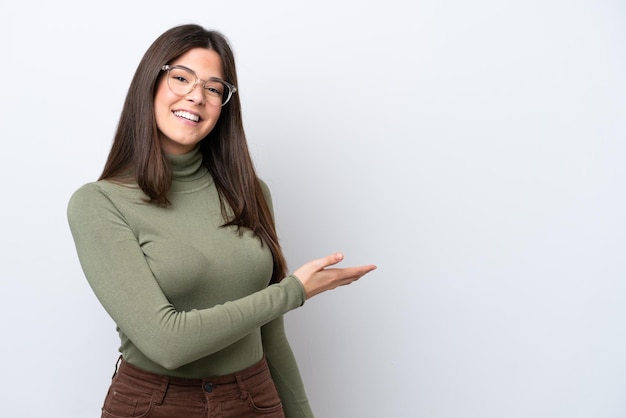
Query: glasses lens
[
  {"x": 182, "y": 82},
  {"x": 215, "y": 91}
]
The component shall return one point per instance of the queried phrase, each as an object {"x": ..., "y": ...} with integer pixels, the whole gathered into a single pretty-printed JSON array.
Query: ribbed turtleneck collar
[{"x": 188, "y": 172}]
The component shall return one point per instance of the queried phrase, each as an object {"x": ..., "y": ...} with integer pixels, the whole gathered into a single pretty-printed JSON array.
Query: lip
[{"x": 178, "y": 115}]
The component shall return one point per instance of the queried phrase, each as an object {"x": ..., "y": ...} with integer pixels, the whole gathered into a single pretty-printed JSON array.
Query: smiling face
[{"x": 183, "y": 121}]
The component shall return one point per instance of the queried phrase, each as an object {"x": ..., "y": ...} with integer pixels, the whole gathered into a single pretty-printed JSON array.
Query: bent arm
[{"x": 119, "y": 275}]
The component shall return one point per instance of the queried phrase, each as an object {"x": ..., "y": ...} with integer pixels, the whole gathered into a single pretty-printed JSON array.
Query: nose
[{"x": 196, "y": 94}]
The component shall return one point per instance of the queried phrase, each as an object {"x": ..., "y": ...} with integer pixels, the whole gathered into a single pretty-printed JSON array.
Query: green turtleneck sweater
[{"x": 189, "y": 297}]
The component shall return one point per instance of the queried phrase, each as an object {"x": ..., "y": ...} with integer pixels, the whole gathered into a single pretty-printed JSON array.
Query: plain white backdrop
[{"x": 473, "y": 150}]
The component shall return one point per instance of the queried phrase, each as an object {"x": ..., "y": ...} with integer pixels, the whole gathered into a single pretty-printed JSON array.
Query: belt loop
[
  {"x": 117, "y": 364},
  {"x": 159, "y": 395},
  {"x": 242, "y": 387}
]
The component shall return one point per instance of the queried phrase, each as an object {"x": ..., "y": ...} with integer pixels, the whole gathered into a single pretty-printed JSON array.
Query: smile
[{"x": 187, "y": 115}]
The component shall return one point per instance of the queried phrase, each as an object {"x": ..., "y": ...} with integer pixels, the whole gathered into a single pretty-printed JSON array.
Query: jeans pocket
[
  {"x": 264, "y": 399},
  {"x": 123, "y": 401}
]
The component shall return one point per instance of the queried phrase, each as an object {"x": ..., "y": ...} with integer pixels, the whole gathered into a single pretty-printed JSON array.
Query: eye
[
  {"x": 214, "y": 89},
  {"x": 179, "y": 78}
]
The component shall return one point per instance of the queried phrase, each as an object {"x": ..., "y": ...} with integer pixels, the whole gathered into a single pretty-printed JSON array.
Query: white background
[{"x": 473, "y": 150}]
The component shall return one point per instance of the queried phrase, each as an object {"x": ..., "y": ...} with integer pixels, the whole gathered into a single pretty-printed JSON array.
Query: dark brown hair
[{"x": 137, "y": 153}]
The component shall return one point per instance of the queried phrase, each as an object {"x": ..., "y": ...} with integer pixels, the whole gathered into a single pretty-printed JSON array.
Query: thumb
[
  {"x": 318, "y": 264},
  {"x": 330, "y": 260}
]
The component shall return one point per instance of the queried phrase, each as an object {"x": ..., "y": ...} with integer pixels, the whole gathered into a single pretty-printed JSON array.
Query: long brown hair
[{"x": 137, "y": 151}]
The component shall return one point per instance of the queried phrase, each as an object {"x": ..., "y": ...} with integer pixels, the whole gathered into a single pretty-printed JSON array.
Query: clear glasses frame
[{"x": 208, "y": 93}]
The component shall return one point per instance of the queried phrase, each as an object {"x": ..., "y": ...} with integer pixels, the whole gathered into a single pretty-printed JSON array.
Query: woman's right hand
[{"x": 317, "y": 278}]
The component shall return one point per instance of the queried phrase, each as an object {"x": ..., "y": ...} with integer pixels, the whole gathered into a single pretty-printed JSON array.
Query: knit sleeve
[
  {"x": 281, "y": 359},
  {"x": 284, "y": 370},
  {"x": 121, "y": 279}
]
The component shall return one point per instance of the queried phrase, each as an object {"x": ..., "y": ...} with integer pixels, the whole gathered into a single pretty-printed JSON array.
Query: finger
[
  {"x": 347, "y": 272},
  {"x": 329, "y": 260},
  {"x": 349, "y": 280}
]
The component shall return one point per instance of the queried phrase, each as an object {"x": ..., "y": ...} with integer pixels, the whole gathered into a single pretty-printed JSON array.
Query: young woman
[{"x": 177, "y": 240}]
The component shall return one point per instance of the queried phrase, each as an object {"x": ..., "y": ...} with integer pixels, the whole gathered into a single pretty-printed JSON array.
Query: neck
[{"x": 187, "y": 169}]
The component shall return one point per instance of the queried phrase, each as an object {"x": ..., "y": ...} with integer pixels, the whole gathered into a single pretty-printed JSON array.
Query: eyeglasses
[{"x": 181, "y": 81}]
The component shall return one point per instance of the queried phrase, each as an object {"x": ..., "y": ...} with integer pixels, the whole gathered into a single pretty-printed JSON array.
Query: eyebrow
[{"x": 194, "y": 73}]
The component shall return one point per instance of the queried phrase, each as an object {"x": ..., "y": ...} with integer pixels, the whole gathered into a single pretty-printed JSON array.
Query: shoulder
[
  {"x": 90, "y": 191},
  {"x": 85, "y": 193},
  {"x": 265, "y": 189},
  {"x": 81, "y": 203},
  {"x": 267, "y": 194},
  {"x": 96, "y": 196}
]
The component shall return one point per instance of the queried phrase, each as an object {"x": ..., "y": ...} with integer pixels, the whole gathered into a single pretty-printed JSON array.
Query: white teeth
[{"x": 187, "y": 115}]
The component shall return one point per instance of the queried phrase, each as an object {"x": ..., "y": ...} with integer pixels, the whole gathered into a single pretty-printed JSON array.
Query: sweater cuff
[{"x": 293, "y": 281}]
